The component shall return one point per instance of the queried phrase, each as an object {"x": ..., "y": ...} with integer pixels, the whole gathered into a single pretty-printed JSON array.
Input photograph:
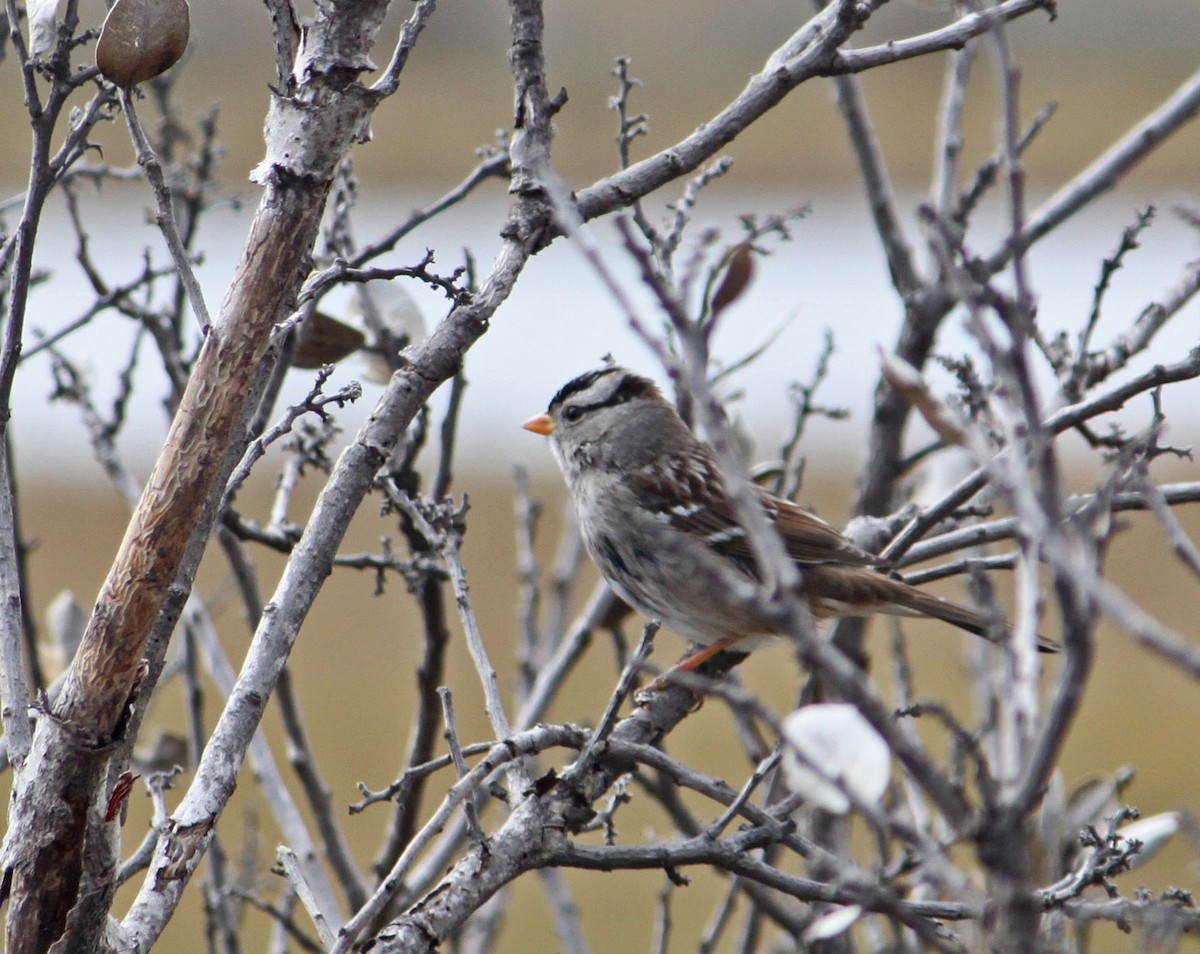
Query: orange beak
[{"x": 540, "y": 424}]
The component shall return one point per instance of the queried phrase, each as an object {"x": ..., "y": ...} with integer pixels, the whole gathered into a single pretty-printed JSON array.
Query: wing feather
[{"x": 686, "y": 492}]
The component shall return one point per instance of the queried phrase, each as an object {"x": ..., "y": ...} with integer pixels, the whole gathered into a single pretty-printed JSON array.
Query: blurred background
[{"x": 1106, "y": 63}]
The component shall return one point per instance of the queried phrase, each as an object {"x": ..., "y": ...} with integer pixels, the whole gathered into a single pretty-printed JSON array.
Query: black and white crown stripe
[{"x": 624, "y": 387}]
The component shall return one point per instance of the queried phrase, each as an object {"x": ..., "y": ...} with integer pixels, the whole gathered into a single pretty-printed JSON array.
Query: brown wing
[
  {"x": 810, "y": 540},
  {"x": 686, "y": 491},
  {"x": 850, "y": 591}
]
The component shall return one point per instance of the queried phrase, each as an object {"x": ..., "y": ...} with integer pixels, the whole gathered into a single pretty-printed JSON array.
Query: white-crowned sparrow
[{"x": 657, "y": 520}]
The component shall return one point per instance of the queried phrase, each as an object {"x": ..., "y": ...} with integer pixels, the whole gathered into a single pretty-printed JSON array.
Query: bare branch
[
  {"x": 1061, "y": 420},
  {"x": 949, "y": 143},
  {"x": 460, "y": 764},
  {"x": 13, "y": 688},
  {"x": 974, "y": 843},
  {"x": 624, "y": 687},
  {"x": 806, "y": 55},
  {"x": 389, "y": 81},
  {"x": 286, "y": 859},
  {"x": 1147, "y": 325},
  {"x": 733, "y": 854},
  {"x": 1080, "y": 370},
  {"x": 867, "y": 150},
  {"x": 952, "y": 37},
  {"x": 1180, "y": 108},
  {"x": 166, "y": 213}
]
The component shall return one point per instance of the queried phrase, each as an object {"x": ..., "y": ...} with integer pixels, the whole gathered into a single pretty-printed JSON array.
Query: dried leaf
[
  {"x": 326, "y": 341},
  {"x": 737, "y": 278},
  {"x": 1152, "y": 832},
  {"x": 831, "y": 750},
  {"x": 141, "y": 39},
  {"x": 385, "y": 305},
  {"x": 1089, "y": 803},
  {"x": 42, "y": 25},
  {"x": 832, "y": 923},
  {"x": 908, "y": 381},
  {"x": 392, "y": 321},
  {"x": 120, "y": 795}
]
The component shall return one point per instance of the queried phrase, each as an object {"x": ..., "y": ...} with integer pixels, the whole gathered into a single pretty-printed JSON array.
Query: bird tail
[
  {"x": 907, "y": 600},
  {"x": 857, "y": 591}
]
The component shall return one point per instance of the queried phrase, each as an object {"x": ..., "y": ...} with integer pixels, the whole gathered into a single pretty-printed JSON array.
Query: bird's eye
[{"x": 572, "y": 412}]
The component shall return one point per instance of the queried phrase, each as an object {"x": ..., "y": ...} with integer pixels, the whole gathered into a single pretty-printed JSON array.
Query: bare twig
[
  {"x": 166, "y": 213},
  {"x": 632, "y": 668},
  {"x": 985, "y": 175},
  {"x": 389, "y": 81},
  {"x": 447, "y": 538},
  {"x": 951, "y": 37},
  {"x": 1151, "y": 320},
  {"x": 1059, "y": 421},
  {"x": 428, "y": 587},
  {"x": 271, "y": 783},
  {"x": 662, "y": 920},
  {"x": 567, "y": 924},
  {"x": 752, "y": 783},
  {"x": 281, "y": 914},
  {"x": 1107, "y": 170},
  {"x": 871, "y": 167},
  {"x": 460, "y": 764},
  {"x": 949, "y": 142},
  {"x": 493, "y": 165},
  {"x": 13, "y": 688},
  {"x": 499, "y": 755},
  {"x": 287, "y": 861},
  {"x": 314, "y": 403}
]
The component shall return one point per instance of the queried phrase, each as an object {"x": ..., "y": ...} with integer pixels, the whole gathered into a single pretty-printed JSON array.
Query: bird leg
[{"x": 693, "y": 661}]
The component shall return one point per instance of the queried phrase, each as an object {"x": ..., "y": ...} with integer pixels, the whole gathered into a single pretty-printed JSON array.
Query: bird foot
[{"x": 646, "y": 694}]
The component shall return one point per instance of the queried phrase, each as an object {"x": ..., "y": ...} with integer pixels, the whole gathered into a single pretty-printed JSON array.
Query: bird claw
[{"x": 644, "y": 696}]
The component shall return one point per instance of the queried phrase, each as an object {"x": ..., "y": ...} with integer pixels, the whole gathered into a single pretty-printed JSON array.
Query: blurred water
[{"x": 560, "y": 320}]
